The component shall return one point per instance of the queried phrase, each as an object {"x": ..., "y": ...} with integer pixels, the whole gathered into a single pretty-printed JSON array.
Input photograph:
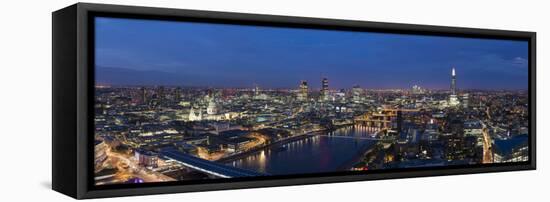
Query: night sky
[{"x": 150, "y": 52}]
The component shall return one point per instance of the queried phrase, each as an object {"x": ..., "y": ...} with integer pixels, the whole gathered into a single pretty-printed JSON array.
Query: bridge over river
[{"x": 213, "y": 168}]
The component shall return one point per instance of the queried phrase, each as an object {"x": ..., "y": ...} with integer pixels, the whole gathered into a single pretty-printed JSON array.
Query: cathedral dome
[{"x": 212, "y": 107}]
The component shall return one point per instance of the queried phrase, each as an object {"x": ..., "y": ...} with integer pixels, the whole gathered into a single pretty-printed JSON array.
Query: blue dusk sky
[{"x": 153, "y": 52}]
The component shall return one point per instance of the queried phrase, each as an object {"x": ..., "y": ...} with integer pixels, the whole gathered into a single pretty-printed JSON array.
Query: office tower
[
  {"x": 417, "y": 90},
  {"x": 324, "y": 90},
  {"x": 453, "y": 98},
  {"x": 357, "y": 93},
  {"x": 465, "y": 100},
  {"x": 302, "y": 92},
  {"x": 453, "y": 81},
  {"x": 256, "y": 90},
  {"x": 143, "y": 95},
  {"x": 161, "y": 96},
  {"x": 399, "y": 120},
  {"x": 177, "y": 94}
]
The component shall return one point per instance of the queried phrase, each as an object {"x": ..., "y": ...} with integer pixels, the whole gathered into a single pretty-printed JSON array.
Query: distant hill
[{"x": 124, "y": 76}]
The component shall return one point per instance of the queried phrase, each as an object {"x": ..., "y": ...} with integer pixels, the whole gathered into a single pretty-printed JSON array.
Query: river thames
[{"x": 323, "y": 152}]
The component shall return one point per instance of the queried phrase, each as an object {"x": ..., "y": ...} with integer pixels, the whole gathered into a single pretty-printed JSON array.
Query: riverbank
[
  {"x": 257, "y": 149},
  {"x": 346, "y": 166},
  {"x": 358, "y": 157},
  {"x": 279, "y": 143}
]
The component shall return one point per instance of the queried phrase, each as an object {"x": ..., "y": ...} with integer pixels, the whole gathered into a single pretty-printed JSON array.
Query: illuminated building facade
[
  {"x": 100, "y": 153},
  {"x": 357, "y": 93},
  {"x": 302, "y": 92},
  {"x": 453, "y": 99},
  {"x": 146, "y": 158},
  {"x": 143, "y": 95},
  {"x": 324, "y": 94}
]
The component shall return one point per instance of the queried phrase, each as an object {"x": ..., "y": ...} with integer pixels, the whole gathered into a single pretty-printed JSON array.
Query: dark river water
[{"x": 325, "y": 152}]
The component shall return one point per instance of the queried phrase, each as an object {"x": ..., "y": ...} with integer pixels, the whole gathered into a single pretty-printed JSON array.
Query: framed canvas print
[{"x": 155, "y": 100}]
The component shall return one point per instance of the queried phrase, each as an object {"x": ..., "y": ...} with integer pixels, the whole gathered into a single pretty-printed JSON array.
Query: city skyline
[
  {"x": 193, "y": 54},
  {"x": 289, "y": 114}
]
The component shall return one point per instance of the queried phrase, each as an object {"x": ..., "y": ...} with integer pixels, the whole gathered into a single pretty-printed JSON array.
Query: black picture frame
[{"x": 73, "y": 92}]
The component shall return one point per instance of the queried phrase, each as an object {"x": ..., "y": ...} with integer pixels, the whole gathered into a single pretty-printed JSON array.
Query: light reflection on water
[{"x": 322, "y": 153}]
